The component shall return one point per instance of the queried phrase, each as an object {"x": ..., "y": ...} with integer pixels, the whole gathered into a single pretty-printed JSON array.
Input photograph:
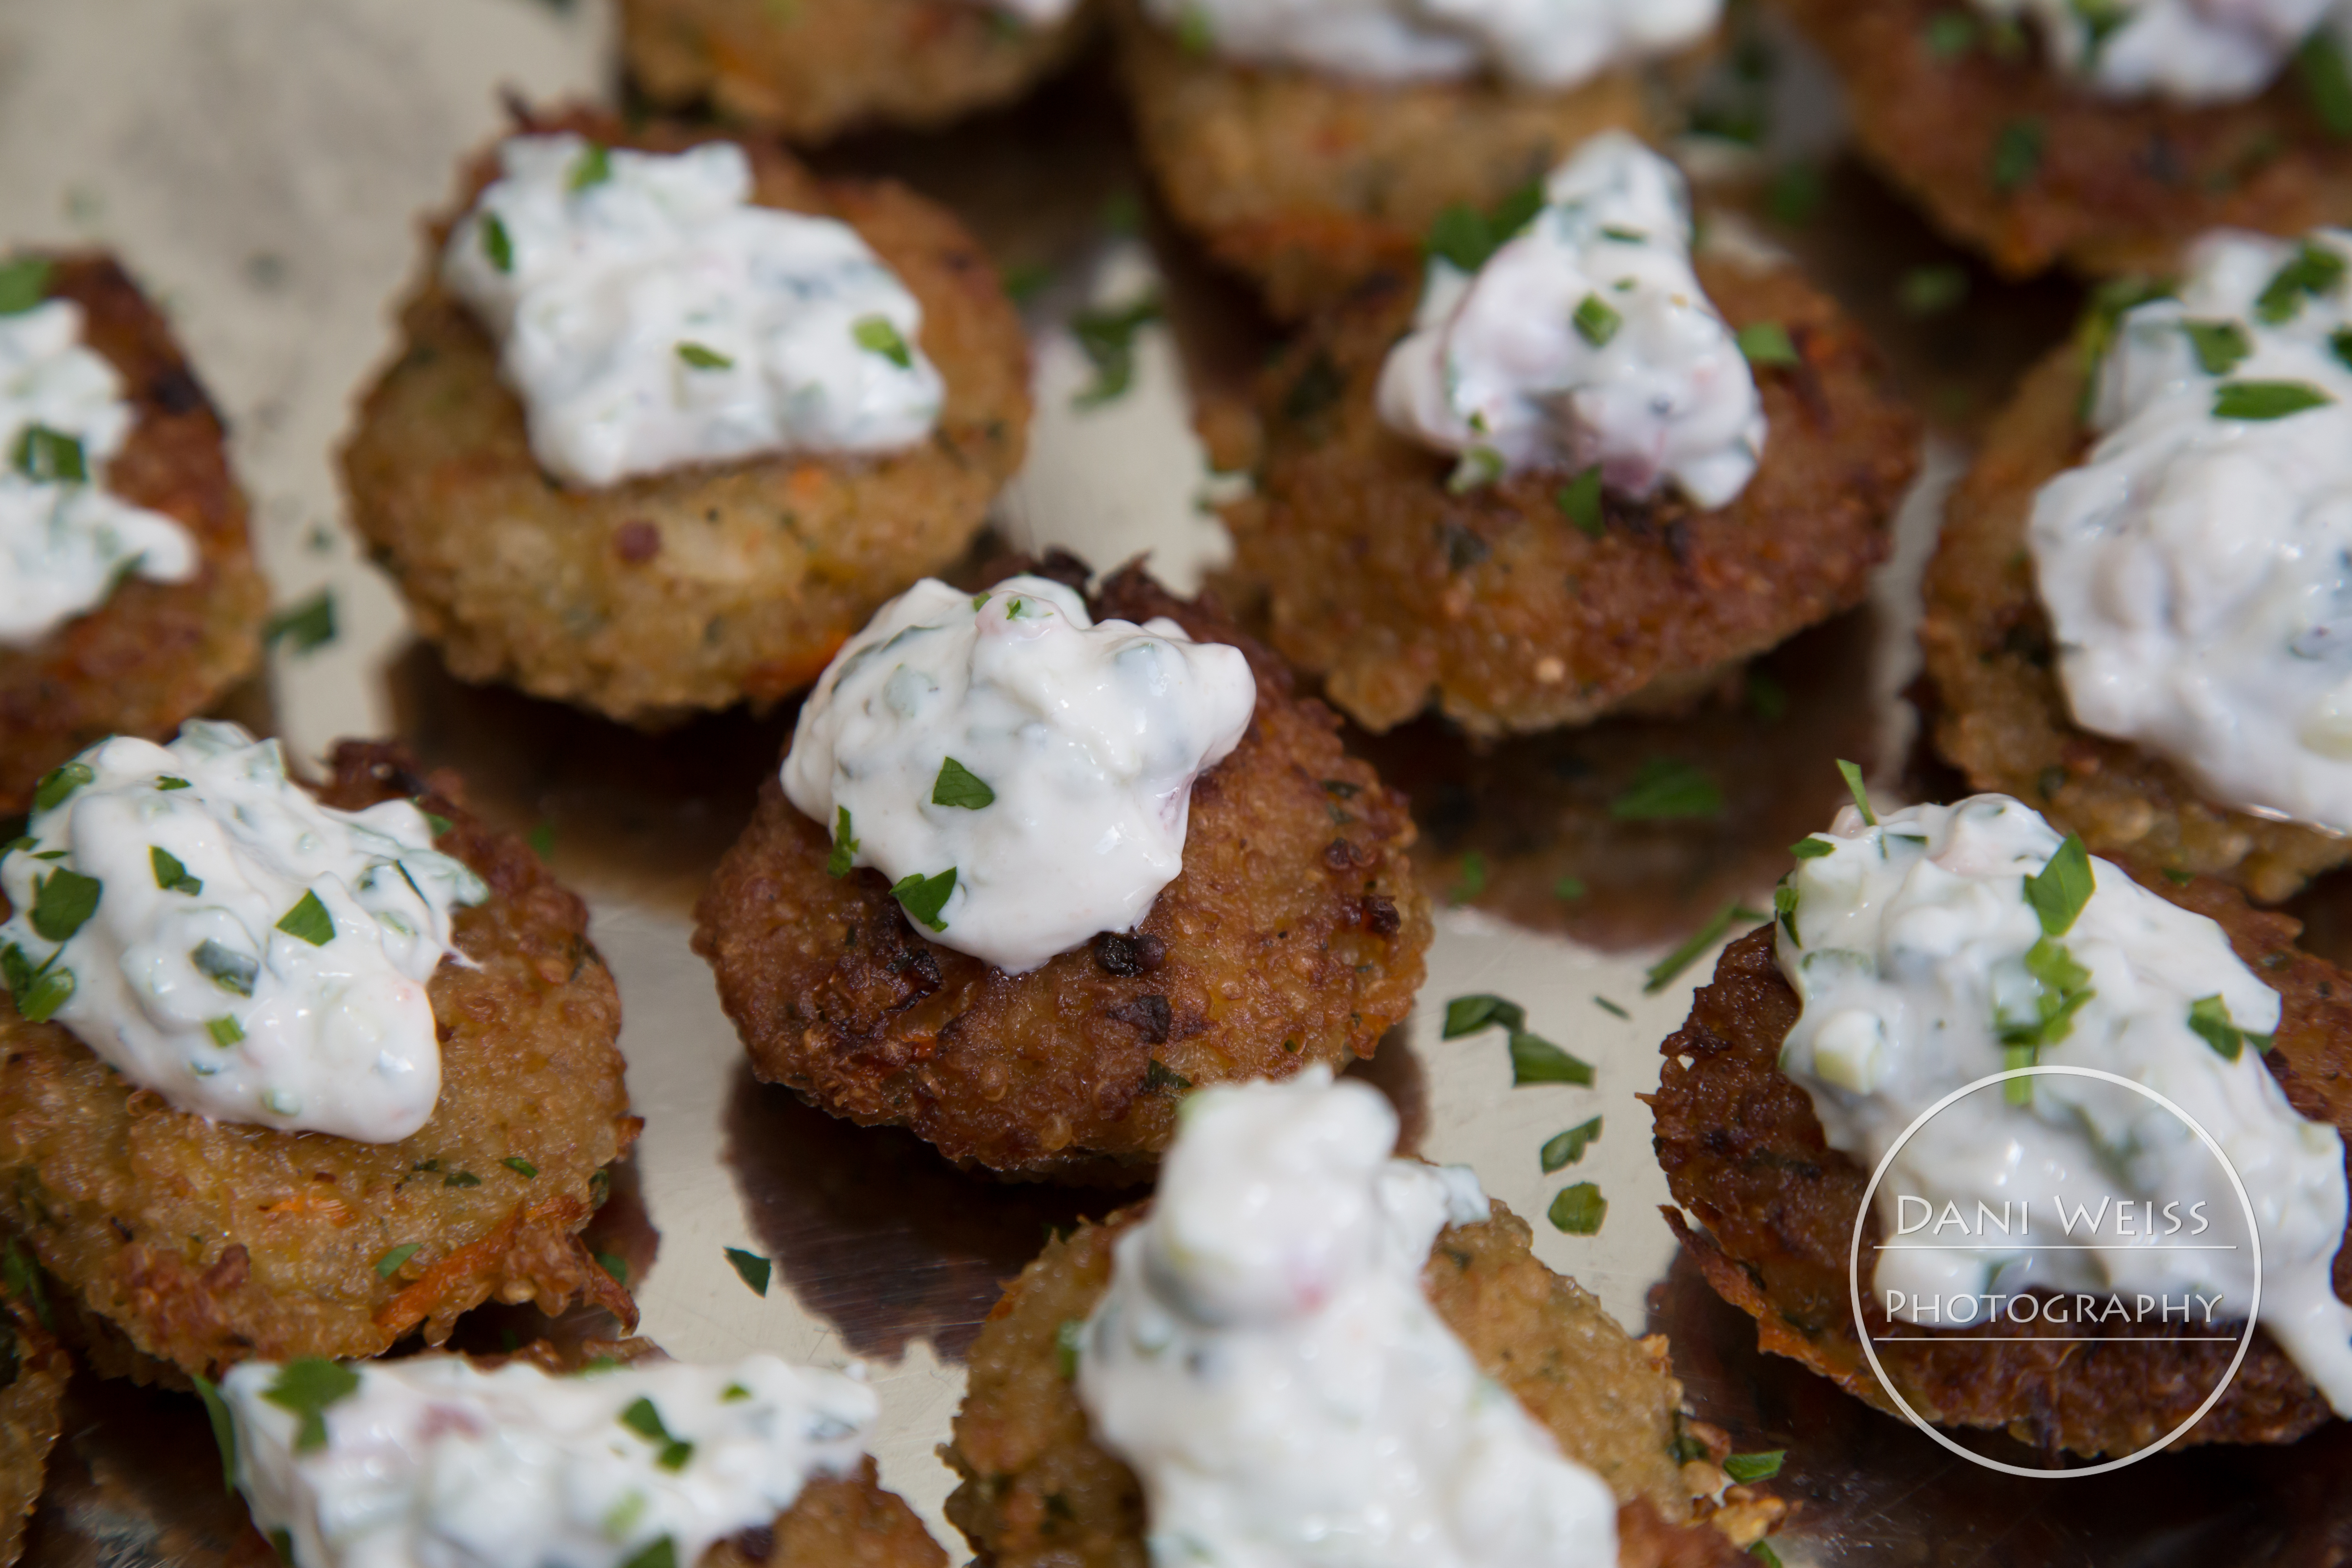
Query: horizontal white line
[
  {"x": 2055, "y": 1339},
  {"x": 2054, "y": 1246}
]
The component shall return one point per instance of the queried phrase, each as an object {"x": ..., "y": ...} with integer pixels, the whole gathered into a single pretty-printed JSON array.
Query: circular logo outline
[{"x": 1862, "y": 1218}]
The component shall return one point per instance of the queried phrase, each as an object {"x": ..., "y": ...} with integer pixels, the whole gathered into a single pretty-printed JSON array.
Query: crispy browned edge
[
  {"x": 1491, "y": 604},
  {"x": 153, "y": 653},
  {"x": 201, "y": 1243},
  {"x": 818, "y": 68},
  {"x": 32, "y": 1391},
  {"x": 2121, "y": 186},
  {"x": 1295, "y": 933},
  {"x": 1308, "y": 185},
  {"x": 700, "y": 587},
  {"x": 1036, "y": 1489},
  {"x": 1999, "y": 713},
  {"x": 1774, "y": 1207}
]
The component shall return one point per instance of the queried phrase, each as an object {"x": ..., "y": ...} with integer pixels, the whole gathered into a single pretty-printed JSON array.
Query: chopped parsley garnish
[
  {"x": 520, "y": 1167},
  {"x": 24, "y": 283},
  {"x": 1159, "y": 1078},
  {"x": 1767, "y": 344},
  {"x": 1666, "y": 789},
  {"x": 845, "y": 848},
  {"x": 1469, "y": 1014},
  {"x": 1464, "y": 238},
  {"x": 1535, "y": 1060},
  {"x": 593, "y": 167},
  {"x": 1470, "y": 878},
  {"x": 438, "y": 824},
  {"x": 751, "y": 1268},
  {"x": 2209, "y": 1017},
  {"x": 1784, "y": 906},
  {"x": 1479, "y": 467},
  {"x": 1597, "y": 321},
  {"x": 1760, "y": 1466},
  {"x": 1610, "y": 1008},
  {"x": 1068, "y": 1338},
  {"x": 924, "y": 897},
  {"x": 2339, "y": 343},
  {"x": 308, "y": 920},
  {"x": 49, "y": 457},
  {"x": 1662, "y": 974},
  {"x": 58, "y": 783},
  {"x": 1812, "y": 848},
  {"x": 63, "y": 903},
  {"x": 2016, "y": 154},
  {"x": 308, "y": 1387},
  {"x": 1762, "y": 1552},
  {"x": 39, "y": 992},
  {"x": 661, "y": 1553},
  {"x": 224, "y": 1428},
  {"x": 225, "y": 1030},
  {"x": 389, "y": 1263},
  {"x": 170, "y": 876},
  {"x": 2063, "y": 987},
  {"x": 734, "y": 1393},
  {"x": 1106, "y": 335},
  {"x": 225, "y": 967},
  {"x": 307, "y": 625},
  {"x": 2221, "y": 346},
  {"x": 2320, "y": 66},
  {"x": 1579, "y": 503},
  {"x": 2315, "y": 270},
  {"x": 2259, "y": 400},
  {"x": 698, "y": 357},
  {"x": 1578, "y": 1210},
  {"x": 1567, "y": 1148},
  {"x": 1852, "y": 776},
  {"x": 541, "y": 839},
  {"x": 497, "y": 244},
  {"x": 2063, "y": 885},
  {"x": 642, "y": 1418},
  {"x": 614, "y": 1265},
  {"x": 166, "y": 781},
  {"x": 958, "y": 785},
  {"x": 23, "y": 1277},
  {"x": 461, "y": 1179},
  {"x": 880, "y": 335}
]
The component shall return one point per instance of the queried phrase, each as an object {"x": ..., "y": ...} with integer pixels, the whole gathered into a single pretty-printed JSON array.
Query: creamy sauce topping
[
  {"x": 2192, "y": 51},
  {"x": 1541, "y": 43},
  {"x": 1584, "y": 342},
  {"x": 1266, "y": 1362},
  {"x": 204, "y": 925},
  {"x": 650, "y": 316},
  {"x": 2198, "y": 566},
  {"x": 1924, "y": 965},
  {"x": 65, "y": 542},
  {"x": 429, "y": 1462},
  {"x": 1020, "y": 774}
]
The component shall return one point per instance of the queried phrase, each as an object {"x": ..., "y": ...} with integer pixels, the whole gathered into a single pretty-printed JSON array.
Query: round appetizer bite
[
  {"x": 811, "y": 70},
  {"x": 245, "y": 1106},
  {"x": 2097, "y": 1296},
  {"x": 2140, "y": 614},
  {"x": 1313, "y": 144},
  {"x": 1583, "y": 472},
  {"x": 652, "y": 1464},
  {"x": 2105, "y": 135},
  {"x": 129, "y": 598},
  {"x": 673, "y": 418},
  {"x": 1302, "y": 1339},
  {"x": 1038, "y": 862},
  {"x": 33, "y": 1372}
]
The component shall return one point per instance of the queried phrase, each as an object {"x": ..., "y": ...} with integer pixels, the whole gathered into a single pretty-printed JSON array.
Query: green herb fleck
[
  {"x": 2220, "y": 346},
  {"x": 661, "y": 1553},
  {"x": 2209, "y": 1017},
  {"x": 1068, "y": 1341},
  {"x": 1535, "y": 1060},
  {"x": 1758, "y": 1466},
  {"x": 1106, "y": 337},
  {"x": 1610, "y": 1008},
  {"x": 751, "y": 1268},
  {"x": 166, "y": 781},
  {"x": 1662, "y": 974},
  {"x": 461, "y": 1179},
  {"x": 497, "y": 244},
  {"x": 1665, "y": 789},
  {"x": 541, "y": 839},
  {"x": 39, "y": 992},
  {"x": 880, "y": 335},
  {"x": 2062, "y": 987},
  {"x": 593, "y": 167},
  {"x": 2063, "y": 885},
  {"x": 1469, "y": 1014},
  {"x": 389, "y": 1263},
  {"x": 225, "y": 1030},
  {"x": 924, "y": 897},
  {"x": 58, "y": 783},
  {"x": 1784, "y": 906},
  {"x": 958, "y": 785},
  {"x": 1567, "y": 1148},
  {"x": 1579, "y": 503},
  {"x": 170, "y": 876},
  {"x": 308, "y": 626},
  {"x": 1597, "y": 321},
  {"x": 642, "y": 1418},
  {"x": 1465, "y": 238},
  {"x": 1478, "y": 467},
  {"x": 1579, "y": 1210},
  {"x": 2178, "y": 878},
  {"x": 225, "y": 967},
  {"x": 734, "y": 1394},
  {"x": 308, "y": 920},
  {"x": 1159, "y": 1078},
  {"x": 224, "y": 1428},
  {"x": 49, "y": 457},
  {"x": 845, "y": 848},
  {"x": 2326, "y": 83},
  {"x": 21, "y": 1275},
  {"x": 1852, "y": 776},
  {"x": 308, "y": 1387},
  {"x": 1568, "y": 890},
  {"x": 1470, "y": 880},
  {"x": 1762, "y": 1552},
  {"x": 1767, "y": 344},
  {"x": 699, "y": 357},
  {"x": 2260, "y": 400},
  {"x": 2315, "y": 270},
  {"x": 24, "y": 283},
  {"x": 1812, "y": 848},
  {"x": 63, "y": 903},
  {"x": 2016, "y": 154}
]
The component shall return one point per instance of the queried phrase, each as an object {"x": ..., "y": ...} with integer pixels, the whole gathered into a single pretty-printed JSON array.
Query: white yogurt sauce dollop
[
  {"x": 1266, "y": 1361},
  {"x": 1585, "y": 342},
  {"x": 1032, "y": 768},
  {"x": 215, "y": 934},
  {"x": 650, "y": 316},
  {"x": 1551, "y": 44},
  {"x": 430, "y": 1462},
  {"x": 2198, "y": 569},
  {"x": 1923, "y": 966},
  {"x": 2191, "y": 51},
  {"x": 65, "y": 541}
]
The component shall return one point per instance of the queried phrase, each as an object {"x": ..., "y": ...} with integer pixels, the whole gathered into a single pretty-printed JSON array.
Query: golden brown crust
[
  {"x": 1308, "y": 185},
  {"x": 1294, "y": 934},
  {"x": 847, "y": 1521},
  {"x": 1038, "y": 1492},
  {"x": 1491, "y": 604},
  {"x": 1774, "y": 1209},
  {"x": 814, "y": 69},
  {"x": 33, "y": 1372},
  {"x": 2001, "y": 715},
  {"x": 153, "y": 653},
  {"x": 2119, "y": 185},
  {"x": 206, "y": 1243},
  {"x": 701, "y": 587}
]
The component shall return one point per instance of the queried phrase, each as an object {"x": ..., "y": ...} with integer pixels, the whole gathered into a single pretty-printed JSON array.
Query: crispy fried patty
[
  {"x": 1775, "y": 1207},
  {"x": 152, "y": 653},
  {"x": 698, "y": 587},
  {"x": 1496, "y": 608},
  {"x": 1999, "y": 714},
  {"x": 2031, "y": 168},
  {"x": 1038, "y": 1492},
  {"x": 33, "y": 1372},
  {"x": 814, "y": 69},
  {"x": 206, "y": 1243},
  {"x": 1294, "y": 934},
  {"x": 1308, "y": 183}
]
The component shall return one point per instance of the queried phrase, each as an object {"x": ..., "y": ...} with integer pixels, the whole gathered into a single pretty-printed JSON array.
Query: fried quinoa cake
[
  {"x": 1491, "y": 604},
  {"x": 1308, "y": 183},
  {"x": 813, "y": 69},
  {"x": 1037, "y": 1490},
  {"x": 1999, "y": 713},
  {"x": 2009, "y": 157},
  {"x": 702, "y": 586},
  {"x": 1295, "y": 933},
  {"x": 1772, "y": 1209},
  {"x": 33, "y": 1372},
  {"x": 204, "y": 1243},
  {"x": 153, "y": 653}
]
